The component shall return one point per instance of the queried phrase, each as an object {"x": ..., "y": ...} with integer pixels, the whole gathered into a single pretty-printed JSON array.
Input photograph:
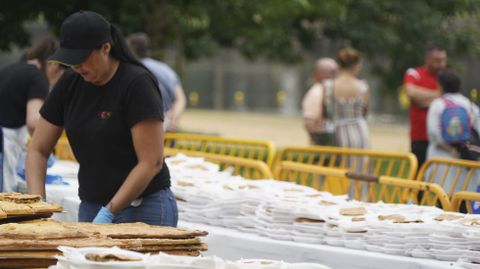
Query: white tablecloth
[{"x": 233, "y": 245}]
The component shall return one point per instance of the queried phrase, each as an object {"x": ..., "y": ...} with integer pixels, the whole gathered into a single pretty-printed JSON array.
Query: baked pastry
[
  {"x": 309, "y": 220},
  {"x": 353, "y": 211},
  {"x": 19, "y": 198},
  {"x": 41, "y": 229},
  {"x": 134, "y": 230},
  {"x": 447, "y": 217},
  {"x": 11, "y": 208},
  {"x": 44, "y": 207},
  {"x": 108, "y": 257},
  {"x": 396, "y": 218}
]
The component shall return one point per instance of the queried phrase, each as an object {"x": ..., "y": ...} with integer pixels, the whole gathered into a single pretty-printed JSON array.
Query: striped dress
[{"x": 348, "y": 118}]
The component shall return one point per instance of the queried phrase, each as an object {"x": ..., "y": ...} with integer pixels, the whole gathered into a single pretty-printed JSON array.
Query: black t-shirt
[
  {"x": 98, "y": 119},
  {"x": 19, "y": 83}
]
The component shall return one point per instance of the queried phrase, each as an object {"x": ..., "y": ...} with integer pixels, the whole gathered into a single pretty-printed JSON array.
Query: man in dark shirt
[{"x": 23, "y": 89}]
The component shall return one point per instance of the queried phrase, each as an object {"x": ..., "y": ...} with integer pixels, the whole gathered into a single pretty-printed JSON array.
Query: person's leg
[
  {"x": 419, "y": 148},
  {"x": 88, "y": 211},
  {"x": 159, "y": 208}
]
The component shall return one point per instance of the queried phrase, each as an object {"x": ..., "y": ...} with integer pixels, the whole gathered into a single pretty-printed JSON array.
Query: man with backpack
[{"x": 452, "y": 122}]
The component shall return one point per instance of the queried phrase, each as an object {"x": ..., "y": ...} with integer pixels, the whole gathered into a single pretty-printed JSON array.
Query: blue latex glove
[
  {"x": 104, "y": 216},
  {"x": 51, "y": 160}
]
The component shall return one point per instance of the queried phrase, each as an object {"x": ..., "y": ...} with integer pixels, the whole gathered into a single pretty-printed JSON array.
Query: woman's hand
[{"x": 104, "y": 216}]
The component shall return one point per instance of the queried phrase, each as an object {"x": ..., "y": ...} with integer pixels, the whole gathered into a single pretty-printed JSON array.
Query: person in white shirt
[
  {"x": 438, "y": 148},
  {"x": 450, "y": 85}
]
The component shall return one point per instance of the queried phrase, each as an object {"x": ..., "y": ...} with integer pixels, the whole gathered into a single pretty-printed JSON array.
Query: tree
[
  {"x": 278, "y": 30},
  {"x": 400, "y": 30}
]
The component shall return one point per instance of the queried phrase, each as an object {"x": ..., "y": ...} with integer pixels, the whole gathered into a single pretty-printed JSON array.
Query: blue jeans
[{"x": 159, "y": 208}]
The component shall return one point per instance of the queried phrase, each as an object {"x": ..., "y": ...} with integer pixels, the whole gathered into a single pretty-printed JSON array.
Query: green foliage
[
  {"x": 400, "y": 30},
  {"x": 280, "y": 30}
]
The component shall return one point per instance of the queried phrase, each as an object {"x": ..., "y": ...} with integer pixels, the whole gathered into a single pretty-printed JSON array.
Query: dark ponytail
[{"x": 120, "y": 50}]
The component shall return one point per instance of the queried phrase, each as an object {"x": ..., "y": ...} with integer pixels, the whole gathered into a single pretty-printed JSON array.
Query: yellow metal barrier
[
  {"x": 402, "y": 191},
  {"x": 318, "y": 177},
  {"x": 243, "y": 148},
  {"x": 467, "y": 197},
  {"x": 408, "y": 190},
  {"x": 452, "y": 175},
  {"x": 63, "y": 151},
  {"x": 251, "y": 169},
  {"x": 378, "y": 163}
]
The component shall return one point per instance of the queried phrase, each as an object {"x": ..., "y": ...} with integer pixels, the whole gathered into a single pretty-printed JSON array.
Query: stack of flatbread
[
  {"x": 35, "y": 242},
  {"x": 18, "y": 206}
]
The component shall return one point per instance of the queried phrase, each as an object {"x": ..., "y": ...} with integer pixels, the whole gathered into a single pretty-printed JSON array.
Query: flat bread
[
  {"x": 177, "y": 252},
  {"x": 30, "y": 254},
  {"x": 470, "y": 222},
  {"x": 27, "y": 263},
  {"x": 447, "y": 217},
  {"x": 200, "y": 247},
  {"x": 326, "y": 203},
  {"x": 309, "y": 220},
  {"x": 53, "y": 244},
  {"x": 136, "y": 230},
  {"x": 393, "y": 217},
  {"x": 11, "y": 208},
  {"x": 20, "y": 198},
  {"x": 353, "y": 211},
  {"x": 44, "y": 229},
  {"x": 109, "y": 257},
  {"x": 159, "y": 241},
  {"x": 44, "y": 207},
  {"x": 3, "y": 215}
]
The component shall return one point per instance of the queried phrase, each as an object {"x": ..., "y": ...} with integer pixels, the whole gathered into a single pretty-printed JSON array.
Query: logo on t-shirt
[{"x": 104, "y": 115}]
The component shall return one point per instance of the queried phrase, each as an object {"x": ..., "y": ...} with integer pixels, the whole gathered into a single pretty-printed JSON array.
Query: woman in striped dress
[{"x": 347, "y": 101}]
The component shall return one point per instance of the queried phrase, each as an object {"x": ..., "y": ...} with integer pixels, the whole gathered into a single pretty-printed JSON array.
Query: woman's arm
[
  {"x": 33, "y": 108},
  {"x": 179, "y": 105},
  {"x": 147, "y": 138},
  {"x": 43, "y": 141}
]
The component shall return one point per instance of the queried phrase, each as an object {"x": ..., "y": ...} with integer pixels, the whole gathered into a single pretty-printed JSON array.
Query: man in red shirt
[{"x": 422, "y": 87}]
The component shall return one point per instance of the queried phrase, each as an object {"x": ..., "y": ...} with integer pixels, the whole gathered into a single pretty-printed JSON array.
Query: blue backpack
[{"x": 455, "y": 123}]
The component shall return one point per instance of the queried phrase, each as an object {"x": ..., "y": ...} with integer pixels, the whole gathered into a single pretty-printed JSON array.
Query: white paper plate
[
  {"x": 305, "y": 266},
  {"x": 374, "y": 248},
  {"x": 465, "y": 263},
  {"x": 334, "y": 241},
  {"x": 421, "y": 253},
  {"x": 446, "y": 257},
  {"x": 308, "y": 239},
  {"x": 393, "y": 251},
  {"x": 354, "y": 244}
]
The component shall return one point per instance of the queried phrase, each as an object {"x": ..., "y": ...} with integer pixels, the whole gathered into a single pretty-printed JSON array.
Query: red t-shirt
[{"x": 419, "y": 76}]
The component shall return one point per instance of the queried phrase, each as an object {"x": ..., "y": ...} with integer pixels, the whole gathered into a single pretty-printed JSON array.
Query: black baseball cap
[{"x": 80, "y": 34}]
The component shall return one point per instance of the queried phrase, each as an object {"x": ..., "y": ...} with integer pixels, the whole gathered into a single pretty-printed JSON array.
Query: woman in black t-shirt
[{"x": 111, "y": 110}]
